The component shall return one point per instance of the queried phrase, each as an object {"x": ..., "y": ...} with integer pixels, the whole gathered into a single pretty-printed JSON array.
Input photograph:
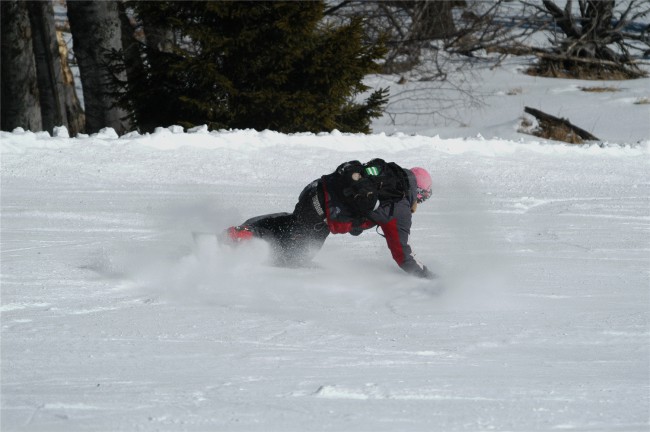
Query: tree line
[
  {"x": 283, "y": 65},
  {"x": 262, "y": 65}
]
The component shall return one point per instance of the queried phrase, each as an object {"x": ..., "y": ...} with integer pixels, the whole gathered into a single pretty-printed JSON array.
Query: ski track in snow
[{"x": 113, "y": 319}]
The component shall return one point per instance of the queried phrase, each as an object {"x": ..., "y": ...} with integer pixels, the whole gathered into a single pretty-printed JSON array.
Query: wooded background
[{"x": 286, "y": 66}]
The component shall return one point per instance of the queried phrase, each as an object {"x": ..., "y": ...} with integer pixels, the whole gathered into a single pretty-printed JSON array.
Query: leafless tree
[
  {"x": 436, "y": 46},
  {"x": 592, "y": 39}
]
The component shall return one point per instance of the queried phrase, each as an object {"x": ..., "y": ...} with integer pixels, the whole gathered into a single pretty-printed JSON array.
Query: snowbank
[{"x": 173, "y": 138}]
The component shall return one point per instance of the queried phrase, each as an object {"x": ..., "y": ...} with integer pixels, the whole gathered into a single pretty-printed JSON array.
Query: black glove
[
  {"x": 356, "y": 227},
  {"x": 425, "y": 273}
]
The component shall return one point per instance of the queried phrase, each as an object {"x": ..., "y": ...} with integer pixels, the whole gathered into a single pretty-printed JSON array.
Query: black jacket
[{"x": 394, "y": 219}]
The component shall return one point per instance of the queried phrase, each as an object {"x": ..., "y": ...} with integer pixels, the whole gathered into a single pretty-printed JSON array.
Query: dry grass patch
[
  {"x": 574, "y": 68},
  {"x": 550, "y": 131},
  {"x": 557, "y": 133},
  {"x": 603, "y": 89},
  {"x": 526, "y": 125},
  {"x": 554, "y": 128}
]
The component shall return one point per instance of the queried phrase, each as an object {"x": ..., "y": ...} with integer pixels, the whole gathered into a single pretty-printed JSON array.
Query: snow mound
[{"x": 173, "y": 138}]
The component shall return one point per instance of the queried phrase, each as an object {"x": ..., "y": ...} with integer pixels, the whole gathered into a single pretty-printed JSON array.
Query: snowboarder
[{"x": 354, "y": 198}]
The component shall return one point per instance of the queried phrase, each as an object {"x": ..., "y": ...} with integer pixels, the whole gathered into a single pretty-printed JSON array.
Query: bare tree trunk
[
  {"x": 434, "y": 19},
  {"x": 158, "y": 37},
  {"x": 74, "y": 112},
  {"x": 48, "y": 64},
  {"x": 96, "y": 32},
  {"x": 19, "y": 90},
  {"x": 132, "y": 58}
]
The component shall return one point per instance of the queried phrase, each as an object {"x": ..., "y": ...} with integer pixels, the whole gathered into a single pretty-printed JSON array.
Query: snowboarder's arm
[{"x": 397, "y": 228}]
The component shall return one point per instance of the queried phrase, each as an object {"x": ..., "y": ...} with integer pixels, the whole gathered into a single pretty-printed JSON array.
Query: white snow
[
  {"x": 114, "y": 319},
  {"x": 503, "y": 92}
]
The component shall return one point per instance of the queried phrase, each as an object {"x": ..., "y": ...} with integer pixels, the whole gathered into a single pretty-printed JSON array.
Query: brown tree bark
[
  {"x": 48, "y": 64},
  {"x": 96, "y": 33},
  {"x": 19, "y": 94},
  {"x": 74, "y": 111},
  {"x": 434, "y": 19},
  {"x": 550, "y": 120}
]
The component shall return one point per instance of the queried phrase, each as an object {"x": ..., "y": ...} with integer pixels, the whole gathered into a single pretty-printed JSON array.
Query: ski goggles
[{"x": 423, "y": 195}]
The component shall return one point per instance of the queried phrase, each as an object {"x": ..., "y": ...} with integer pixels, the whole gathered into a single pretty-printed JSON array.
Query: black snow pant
[{"x": 296, "y": 237}]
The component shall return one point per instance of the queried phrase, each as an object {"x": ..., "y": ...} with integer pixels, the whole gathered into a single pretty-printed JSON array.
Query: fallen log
[{"x": 548, "y": 121}]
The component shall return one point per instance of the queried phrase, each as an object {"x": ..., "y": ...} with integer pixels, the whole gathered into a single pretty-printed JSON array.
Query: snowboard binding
[{"x": 236, "y": 234}]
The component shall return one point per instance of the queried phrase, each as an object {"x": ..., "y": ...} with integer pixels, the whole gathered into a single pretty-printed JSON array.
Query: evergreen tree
[{"x": 261, "y": 65}]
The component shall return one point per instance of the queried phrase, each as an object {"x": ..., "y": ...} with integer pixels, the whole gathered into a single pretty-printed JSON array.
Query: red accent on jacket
[{"x": 392, "y": 238}]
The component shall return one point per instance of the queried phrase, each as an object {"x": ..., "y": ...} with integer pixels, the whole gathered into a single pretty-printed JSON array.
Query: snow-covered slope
[
  {"x": 113, "y": 319},
  {"x": 613, "y": 111}
]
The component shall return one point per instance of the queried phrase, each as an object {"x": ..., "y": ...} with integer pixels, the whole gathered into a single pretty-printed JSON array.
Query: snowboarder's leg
[
  {"x": 301, "y": 244},
  {"x": 295, "y": 237},
  {"x": 308, "y": 228},
  {"x": 269, "y": 227}
]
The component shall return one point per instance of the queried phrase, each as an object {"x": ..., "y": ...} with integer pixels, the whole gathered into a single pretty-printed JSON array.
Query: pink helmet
[{"x": 424, "y": 182}]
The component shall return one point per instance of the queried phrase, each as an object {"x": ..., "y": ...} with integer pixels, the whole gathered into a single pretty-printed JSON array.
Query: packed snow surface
[{"x": 115, "y": 319}]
